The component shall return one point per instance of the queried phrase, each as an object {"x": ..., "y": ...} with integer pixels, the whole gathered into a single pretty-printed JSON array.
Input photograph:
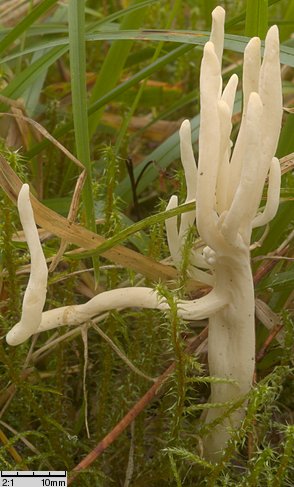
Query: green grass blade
[
  {"x": 256, "y": 23},
  {"x": 196, "y": 38},
  {"x": 27, "y": 21},
  {"x": 242, "y": 16},
  {"x": 136, "y": 227},
  {"x": 76, "y": 20},
  {"x": 281, "y": 281},
  {"x": 77, "y": 54},
  {"x": 232, "y": 42},
  {"x": 31, "y": 96},
  {"x": 287, "y": 29},
  {"x": 207, "y": 7},
  {"x": 286, "y": 142},
  {"x": 114, "y": 62}
]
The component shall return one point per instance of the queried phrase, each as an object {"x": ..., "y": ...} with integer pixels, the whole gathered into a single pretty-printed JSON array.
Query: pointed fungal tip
[
  {"x": 209, "y": 48},
  {"x": 185, "y": 126},
  {"x": 173, "y": 202},
  {"x": 218, "y": 12},
  {"x": 23, "y": 193},
  {"x": 272, "y": 35},
  {"x": 253, "y": 43}
]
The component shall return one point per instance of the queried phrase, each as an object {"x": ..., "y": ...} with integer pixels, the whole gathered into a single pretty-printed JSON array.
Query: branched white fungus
[
  {"x": 228, "y": 196},
  {"x": 227, "y": 189}
]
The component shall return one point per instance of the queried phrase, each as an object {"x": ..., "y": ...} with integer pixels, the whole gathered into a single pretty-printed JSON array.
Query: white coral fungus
[{"x": 227, "y": 188}]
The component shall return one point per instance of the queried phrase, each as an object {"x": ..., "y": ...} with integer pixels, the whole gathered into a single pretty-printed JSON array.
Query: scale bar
[{"x": 32, "y": 474}]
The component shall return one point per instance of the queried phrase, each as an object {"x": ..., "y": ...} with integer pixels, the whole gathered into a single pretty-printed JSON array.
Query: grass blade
[
  {"x": 114, "y": 62},
  {"x": 206, "y": 8},
  {"x": 287, "y": 29},
  {"x": 16, "y": 32},
  {"x": 126, "y": 233},
  {"x": 77, "y": 52},
  {"x": 193, "y": 38},
  {"x": 256, "y": 23}
]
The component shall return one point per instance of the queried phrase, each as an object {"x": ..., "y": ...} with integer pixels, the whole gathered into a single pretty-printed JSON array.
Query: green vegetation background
[{"x": 112, "y": 81}]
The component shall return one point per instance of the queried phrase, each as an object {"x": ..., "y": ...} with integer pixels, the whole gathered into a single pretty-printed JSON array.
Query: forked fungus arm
[{"x": 34, "y": 320}]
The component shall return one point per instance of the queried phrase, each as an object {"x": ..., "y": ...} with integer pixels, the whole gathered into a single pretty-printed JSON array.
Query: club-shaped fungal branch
[
  {"x": 35, "y": 294},
  {"x": 227, "y": 187}
]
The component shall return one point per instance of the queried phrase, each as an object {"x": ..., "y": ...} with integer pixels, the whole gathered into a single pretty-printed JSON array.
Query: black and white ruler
[{"x": 33, "y": 479}]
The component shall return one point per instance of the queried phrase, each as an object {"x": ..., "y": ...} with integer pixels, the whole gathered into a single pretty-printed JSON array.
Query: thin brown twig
[
  {"x": 10, "y": 448},
  {"x": 265, "y": 268},
  {"x": 273, "y": 333},
  {"x": 272, "y": 257},
  {"x": 134, "y": 411},
  {"x": 37, "y": 126},
  {"x": 250, "y": 442}
]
